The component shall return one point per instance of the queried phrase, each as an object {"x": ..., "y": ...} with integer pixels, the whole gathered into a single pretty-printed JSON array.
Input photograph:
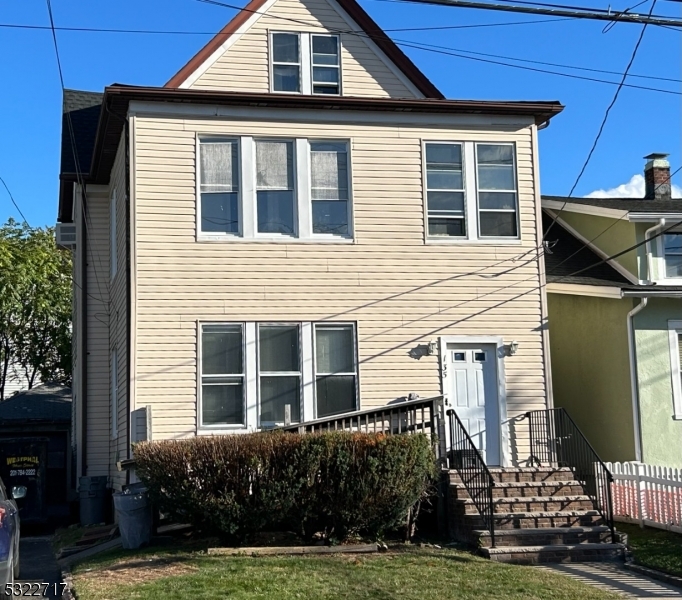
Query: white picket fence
[{"x": 647, "y": 495}]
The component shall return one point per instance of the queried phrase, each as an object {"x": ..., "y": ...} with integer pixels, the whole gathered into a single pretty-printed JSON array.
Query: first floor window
[
  {"x": 114, "y": 393},
  {"x": 496, "y": 180},
  {"x": 675, "y": 341},
  {"x": 275, "y": 194},
  {"x": 222, "y": 375},
  {"x": 219, "y": 186},
  {"x": 329, "y": 187},
  {"x": 672, "y": 243},
  {"x": 335, "y": 369},
  {"x": 279, "y": 372}
]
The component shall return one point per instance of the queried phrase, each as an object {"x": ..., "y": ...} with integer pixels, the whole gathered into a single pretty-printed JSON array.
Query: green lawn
[
  {"x": 655, "y": 548},
  {"x": 413, "y": 573}
]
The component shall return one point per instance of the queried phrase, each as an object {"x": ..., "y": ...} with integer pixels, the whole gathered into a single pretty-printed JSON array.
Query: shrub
[{"x": 337, "y": 483}]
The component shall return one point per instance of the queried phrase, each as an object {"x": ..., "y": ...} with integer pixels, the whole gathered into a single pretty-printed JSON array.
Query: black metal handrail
[
  {"x": 556, "y": 440},
  {"x": 423, "y": 415},
  {"x": 466, "y": 459}
]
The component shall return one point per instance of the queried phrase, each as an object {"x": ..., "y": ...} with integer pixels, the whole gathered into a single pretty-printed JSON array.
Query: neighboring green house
[{"x": 616, "y": 328}]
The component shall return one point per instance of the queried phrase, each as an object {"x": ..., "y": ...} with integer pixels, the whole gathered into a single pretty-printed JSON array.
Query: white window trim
[
  {"x": 113, "y": 240},
  {"x": 305, "y": 64},
  {"x": 471, "y": 212},
  {"x": 675, "y": 328},
  {"x": 114, "y": 393},
  {"x": 219, "y": 427},
  {"x": 303, "y": 54},
  {"x": 215, "y": 235},
  {"x": 356, "y": 373},
  {"x": 659, "y": 263},
  {"x": 251, "y": 373},
  {"x": 248, "y": 196}
]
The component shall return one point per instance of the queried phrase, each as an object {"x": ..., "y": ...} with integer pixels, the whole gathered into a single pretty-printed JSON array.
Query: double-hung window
[
  {"x": 497, "y": 198},
  {"x": 275, "y": 188},
  {"x": 286, "y": 62},
  {"x": 222, "y": 376},
  {"x": 329, "y": 187},
  {"x": 114, "y": 393},
  {"x": 219, "y": 185},
  {"x": 113, "y": 242},
  {"x": 471, "y": 191},
  {"x": 326, "y": 65},
  {"x": 335, "y": 369},
  {"x": 675, "y": 342},
  {"x": 279, "y": 372},
  {"x": 305, "y": 63}
]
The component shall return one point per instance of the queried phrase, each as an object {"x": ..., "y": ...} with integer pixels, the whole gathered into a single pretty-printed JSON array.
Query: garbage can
[
  {"x": 134, "y": 516},
  {"x": 92, "y": 492}
]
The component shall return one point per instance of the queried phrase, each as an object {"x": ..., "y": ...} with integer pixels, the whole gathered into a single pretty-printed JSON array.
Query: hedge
[{"x": 339, "y": 484}]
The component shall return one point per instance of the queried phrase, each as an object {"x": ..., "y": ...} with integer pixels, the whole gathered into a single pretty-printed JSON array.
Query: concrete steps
[{"x": 533, "y": 555}]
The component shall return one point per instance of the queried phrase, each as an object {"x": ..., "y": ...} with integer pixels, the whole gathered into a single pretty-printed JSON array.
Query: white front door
[{"x": 473, "y": 394}]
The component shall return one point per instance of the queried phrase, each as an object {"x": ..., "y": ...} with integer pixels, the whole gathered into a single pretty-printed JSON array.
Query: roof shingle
[{"x": 49, "y": 403}]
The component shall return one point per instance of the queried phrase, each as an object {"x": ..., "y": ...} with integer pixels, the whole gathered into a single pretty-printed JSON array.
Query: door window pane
[
  {"x": 275, "y": 187},
  {"x": 445, "y": 190},
  {"x": 222, "y": 375},
  {"x": 219, "y": 189},
  {"x": 329, "y": 187},
  {"x": 286, "y": 67},
  {"x": 325, "y": 64},
  {"x": 497, "y": 195},
  {"x": 335, "y": 369}
]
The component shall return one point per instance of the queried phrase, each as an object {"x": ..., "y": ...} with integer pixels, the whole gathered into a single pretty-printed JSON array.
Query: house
[
  {"x": 615, "y": 329},
  {"x": 35, "y": 451},
  {"x": 299, "y": 223}
]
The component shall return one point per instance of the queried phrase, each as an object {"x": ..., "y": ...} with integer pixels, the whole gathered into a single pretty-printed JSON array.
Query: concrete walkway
[{"x": 613, "y": 577}]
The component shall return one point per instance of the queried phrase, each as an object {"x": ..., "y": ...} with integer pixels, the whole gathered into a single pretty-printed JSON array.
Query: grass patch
[
  {"x": 412, "y": 573},
  {"x": 655, "y": 548}
]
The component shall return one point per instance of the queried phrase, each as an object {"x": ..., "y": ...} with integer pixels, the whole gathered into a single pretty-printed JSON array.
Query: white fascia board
[
  {"x": 321, "y": 115},
  {"x": 584, "y": 209},
  {"x": 231, "y": 39},
  {"x": 598, "y": 251},
  {"x": 387, "y": 61},
  {"x": 574, "y": 289}
]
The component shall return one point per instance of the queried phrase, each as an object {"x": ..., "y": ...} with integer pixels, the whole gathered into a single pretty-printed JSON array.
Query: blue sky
[{"x": 641, "y": 122}]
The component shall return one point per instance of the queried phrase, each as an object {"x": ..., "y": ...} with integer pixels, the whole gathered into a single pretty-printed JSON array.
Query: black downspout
[{"x": 84, "y": 333}]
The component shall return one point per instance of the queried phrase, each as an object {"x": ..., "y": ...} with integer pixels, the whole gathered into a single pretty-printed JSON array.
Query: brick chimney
[{"x": 657, "y": 177}]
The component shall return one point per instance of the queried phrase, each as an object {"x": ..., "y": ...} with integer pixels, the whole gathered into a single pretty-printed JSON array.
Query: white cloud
[{"x": 632, "y": 189}]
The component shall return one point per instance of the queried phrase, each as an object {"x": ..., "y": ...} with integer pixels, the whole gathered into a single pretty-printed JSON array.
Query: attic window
[{"x": 305, "y": 63}]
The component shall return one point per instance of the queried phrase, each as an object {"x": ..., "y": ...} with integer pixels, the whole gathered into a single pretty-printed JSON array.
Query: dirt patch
[{"x": 135, "y": 571}]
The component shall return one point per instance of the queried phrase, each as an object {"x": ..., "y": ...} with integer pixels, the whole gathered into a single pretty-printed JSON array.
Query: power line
[
  {"x": 14, "y": 202},
  {"x": 603, "y": 123},
  {"x": 547, "y": 9}
]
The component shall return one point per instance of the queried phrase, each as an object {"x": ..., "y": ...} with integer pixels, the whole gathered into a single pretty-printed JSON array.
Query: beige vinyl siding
[
  {"x": 96, "y": 246},
  {"x": 118, "y": 319},
  {"x": 244, "y": 67},
  {"x": 400, "y": 291}
]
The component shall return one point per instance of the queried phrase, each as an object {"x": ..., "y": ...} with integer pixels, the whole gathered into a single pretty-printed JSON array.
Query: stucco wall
[
  {"x": 661, "y": 434},
  {"x": 590, "y": 370},
  {"x": 612, "y": 238}
]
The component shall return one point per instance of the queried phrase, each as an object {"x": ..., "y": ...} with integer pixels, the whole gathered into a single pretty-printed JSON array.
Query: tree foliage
[{"x": 35, "y": 306}]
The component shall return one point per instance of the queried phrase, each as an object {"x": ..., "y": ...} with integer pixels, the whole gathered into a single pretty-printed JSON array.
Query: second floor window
[
  {"x": 672, "y": 246},
  {"x": 471, "y": 191},
  {"x": 219, "y": 189},
  {"x": 275, "y": 187},
  {"x": 329, "y": 187},
  {"x": 305, "y": 63}
]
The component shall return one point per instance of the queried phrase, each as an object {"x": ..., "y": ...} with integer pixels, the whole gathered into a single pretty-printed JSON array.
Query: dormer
[{"x": 308, "y": 47}]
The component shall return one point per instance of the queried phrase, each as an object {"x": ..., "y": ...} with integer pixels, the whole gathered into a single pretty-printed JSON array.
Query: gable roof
[
  {"x": 633, "y": 205},
  {"x": 48, "y": 403},
  {"x": 354, "y": 10},
  {"x": 566, "y": 254}
]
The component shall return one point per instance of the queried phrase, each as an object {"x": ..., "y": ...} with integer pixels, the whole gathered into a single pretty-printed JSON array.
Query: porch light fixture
[
  {"x": 432, "y": 347},
  {"x": 512, "y": 348}
]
